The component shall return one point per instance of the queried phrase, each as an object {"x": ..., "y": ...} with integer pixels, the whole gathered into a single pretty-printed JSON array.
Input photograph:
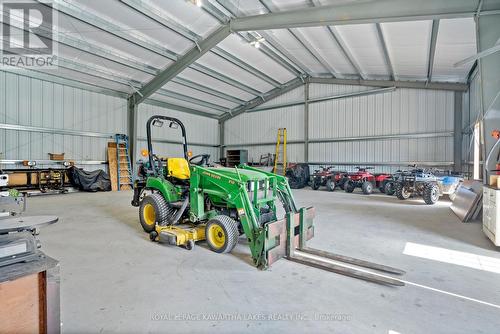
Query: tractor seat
[{"x": 178, "y": 168}]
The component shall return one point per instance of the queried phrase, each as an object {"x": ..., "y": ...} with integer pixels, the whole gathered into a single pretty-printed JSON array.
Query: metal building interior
[{"x": 379, "y": 120}]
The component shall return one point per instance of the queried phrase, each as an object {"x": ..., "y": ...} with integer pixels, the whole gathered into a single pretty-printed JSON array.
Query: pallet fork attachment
[{"x": 287, "y": 238}]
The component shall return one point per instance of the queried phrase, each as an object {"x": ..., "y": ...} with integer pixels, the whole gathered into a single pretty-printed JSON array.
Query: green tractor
[{"x": 184, "y": 200}]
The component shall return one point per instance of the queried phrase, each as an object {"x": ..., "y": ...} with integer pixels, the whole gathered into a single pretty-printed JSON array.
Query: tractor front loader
[{"x": 184, "y": 200}]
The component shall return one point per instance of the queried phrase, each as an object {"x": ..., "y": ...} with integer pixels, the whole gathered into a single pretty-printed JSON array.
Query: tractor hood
[{"x": 245, "y": 174}]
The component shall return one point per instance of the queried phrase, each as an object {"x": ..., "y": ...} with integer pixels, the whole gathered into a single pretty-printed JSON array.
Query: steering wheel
[{"x": 200, "y": 159}]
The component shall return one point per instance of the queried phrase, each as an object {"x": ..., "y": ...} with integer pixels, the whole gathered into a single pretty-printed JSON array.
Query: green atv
[{"x": 184, "y": 200}]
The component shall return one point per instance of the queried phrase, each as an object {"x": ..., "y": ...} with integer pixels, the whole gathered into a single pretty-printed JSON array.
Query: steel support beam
[
  {"x": 385, "y": 49},
  {"x": 110, "y": 76},
  {"x": 128, "y": 62},
  {"x": 153, "y": 13},
  {"x": 301, "y": 40},
  {"x": 306, "y": 122},
  {"x": 332, "y": 31},
  {"x": 138, "y": 39},
  {"x": 362, "y": 12},
  {"x": 352, "y": 139},
  {"x": 132, "y": 119},
  {"x": 168, "y": 141},
  {"x": 292, "y": 84},
  {"x": 221, "y": 138},
  {"x": 432, "y": 49},
  {"x": 398, "y": 84},
  {"x": 325, "y": 98},
  {"x": 182, "y": 63},
  {"x": 224, "y": 19},
  {"x": 457, "y": 132},
  {"x": 488, "y": 34}
]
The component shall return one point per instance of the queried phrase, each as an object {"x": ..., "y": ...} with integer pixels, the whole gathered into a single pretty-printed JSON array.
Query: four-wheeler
[
  {"x": 327, "y": 176},
  {"x": 181, "y": 202},
  {"x": 365, "y": 180},
  {"x": 426, "y": 183}
]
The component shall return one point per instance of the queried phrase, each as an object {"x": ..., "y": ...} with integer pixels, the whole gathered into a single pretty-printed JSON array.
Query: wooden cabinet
[{"x": 29, "y": 297}]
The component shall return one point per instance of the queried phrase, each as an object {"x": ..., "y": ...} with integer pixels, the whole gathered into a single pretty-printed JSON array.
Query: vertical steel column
[
  {"x": 132, "y": 131},
  {"x": 457, "y": 132},
  {"x": 488, "y": 33},
  {"x": 306, "y": 122},
  {"x": 221, "y": 139}
]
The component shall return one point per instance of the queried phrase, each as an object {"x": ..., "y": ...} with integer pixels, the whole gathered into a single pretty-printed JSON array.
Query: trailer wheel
[
  {"x": 222, "y": 234},
  {"x": 367, "y": 187},
  {"x": 430, "y": 193},
  {"x": 348, "y": 186},
  {"x": 153, "y": 210},
  {"x": 402, "y": 192},
  {"x": 389, "y": 188},
  {"x": 330, "y": 185}
]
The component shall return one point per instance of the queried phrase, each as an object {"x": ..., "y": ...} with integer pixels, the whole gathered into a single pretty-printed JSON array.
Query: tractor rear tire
[
  {"x": 348, "y": 186},
  {"x": 401, "y": 192},
  {"x": 153, "y": 210},
  {"x": 431, "y": 193},
  {"x": 222, "y": 234},
  {"x": 330, "y": 185},
  {"x": 389, "y": 188},
  {"x": 367, "y": 187}
]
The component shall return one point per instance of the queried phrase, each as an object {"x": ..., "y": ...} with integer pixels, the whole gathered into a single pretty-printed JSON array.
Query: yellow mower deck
[{"x": 184, "y": 235}]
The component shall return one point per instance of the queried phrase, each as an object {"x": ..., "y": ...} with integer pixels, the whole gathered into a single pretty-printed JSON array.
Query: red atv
[
  {"x": 366, "y": 181},
  {"x": 326, "y": 176}
]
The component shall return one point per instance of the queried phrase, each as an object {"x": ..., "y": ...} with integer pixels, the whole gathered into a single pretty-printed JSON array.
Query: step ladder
[
  {"x": 123, "y": 166},
  {"x": 280, "y": 156}
]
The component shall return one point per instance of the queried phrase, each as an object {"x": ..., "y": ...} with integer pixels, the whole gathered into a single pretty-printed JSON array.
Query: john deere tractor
[{"x": 184, "y": 200}]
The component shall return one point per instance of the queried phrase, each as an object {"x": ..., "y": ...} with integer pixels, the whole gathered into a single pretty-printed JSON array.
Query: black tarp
[
  {"x": 97, "y": 180},
  {"x": 298, "y": 176}
]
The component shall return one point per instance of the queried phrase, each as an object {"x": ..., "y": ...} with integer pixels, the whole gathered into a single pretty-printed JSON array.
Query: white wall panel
[
  {"x": 32, "y": 102},
  {"x": 402, "y": 112}
]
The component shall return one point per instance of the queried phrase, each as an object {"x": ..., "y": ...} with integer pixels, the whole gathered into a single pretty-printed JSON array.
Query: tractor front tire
[
  {"x": 330, "y": 185},
  {"x": 430, "y": 193},
  {"x": 389, "y": 188},
  {"x": 222, "y": 234},
  {"x": 367, "y": 187},
  {"x": 349, "y": 186},
  {"x": 153, "y": 210},
  {"x": 401, "y": 192}
]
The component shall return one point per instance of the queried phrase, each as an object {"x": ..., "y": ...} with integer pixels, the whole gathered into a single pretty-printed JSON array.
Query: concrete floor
[{"x": 113, "y": 279}]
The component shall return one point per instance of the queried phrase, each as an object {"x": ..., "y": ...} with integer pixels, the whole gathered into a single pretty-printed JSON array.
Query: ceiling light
[
  {"x": 198, "y": 3},
  {"x": 258, "y": 41}
]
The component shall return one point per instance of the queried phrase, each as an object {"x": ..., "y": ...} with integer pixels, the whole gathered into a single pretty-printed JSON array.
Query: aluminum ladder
[{"x": 123, "y": 166}]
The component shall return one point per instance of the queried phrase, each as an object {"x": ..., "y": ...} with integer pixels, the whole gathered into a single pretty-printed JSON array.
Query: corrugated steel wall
[
  {"x": 200, "y": 130},
  {"x": 32, "y": 102},
  {"x": 262, "y": 127},
  {"x": 402, "y": 112}
]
